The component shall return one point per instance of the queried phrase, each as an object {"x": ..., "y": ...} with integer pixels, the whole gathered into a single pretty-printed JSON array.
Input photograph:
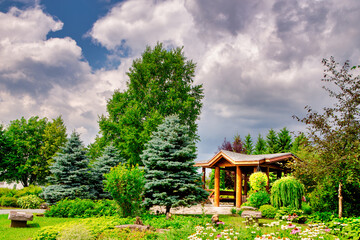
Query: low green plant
[
  {"x": 321, "y": 217},
  {"x": 82, "y": 208},
  {"x": 286, "y": 213},
  {"x": 239, "y": 212},
  {"x": 126, "y": 184},
  {"x": 7, "y": 192},
  {"x": 112, "y": 234},
  {"x": 345, "y": 228},
  {"x": 233, "y": 211},
  {"x": 258, "y": 199},
  {"x": 287, "y": 192},
  {"x": 77, "y": 231},
  {"x": 268, "y": 211},
  {"x": 8, "y": 201},
  {"x": 29, "y": 201},
  {"x": 96, "y": 226},
  {"x": 30, "y": 190},
  {"x": 306, "y": 208}
]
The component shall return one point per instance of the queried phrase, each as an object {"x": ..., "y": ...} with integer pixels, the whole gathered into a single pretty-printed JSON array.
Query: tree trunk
[
  {"x": 167, "y": 209},
  {"x": 340, "y": 201}
]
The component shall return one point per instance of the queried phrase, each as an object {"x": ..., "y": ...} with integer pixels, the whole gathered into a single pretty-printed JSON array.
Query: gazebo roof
[{"x": 239, "y": 159}]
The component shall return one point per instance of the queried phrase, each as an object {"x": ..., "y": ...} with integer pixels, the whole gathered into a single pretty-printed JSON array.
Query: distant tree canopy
[
  {"x": 29, "y": 148},
  {"x": 160, "y": 84}
]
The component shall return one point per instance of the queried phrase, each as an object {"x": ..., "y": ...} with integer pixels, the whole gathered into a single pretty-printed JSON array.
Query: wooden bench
[{"x": 19, "y": 219}]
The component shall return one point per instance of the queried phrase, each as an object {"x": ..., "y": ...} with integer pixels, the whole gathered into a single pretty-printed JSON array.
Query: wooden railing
[{"x": 225, "y": 196}]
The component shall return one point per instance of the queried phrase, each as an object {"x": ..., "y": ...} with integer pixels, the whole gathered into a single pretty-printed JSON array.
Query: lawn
[{"x": 7, "y": 233}]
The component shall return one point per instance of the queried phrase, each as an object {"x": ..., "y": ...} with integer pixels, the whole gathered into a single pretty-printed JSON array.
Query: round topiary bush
[
  {"x": 268, "y": 211},
  {"x": 287, "y": 192},
  {"x": 258, "y": 199},
  {"x": 258, "y": 181}
]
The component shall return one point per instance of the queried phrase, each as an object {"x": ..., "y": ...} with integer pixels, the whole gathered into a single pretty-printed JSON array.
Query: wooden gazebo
[{"x": 243, "y": 165}]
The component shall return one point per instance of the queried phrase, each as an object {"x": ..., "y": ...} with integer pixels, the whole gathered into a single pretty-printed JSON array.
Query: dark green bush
[
  {"x": 321, "y": 217},
  {"x": 258, "y": 199},
  {"x": 268, "y": 211},
  {"x": 82, "y": 208},
  {"x": 8, "y": 201},
  {"x": 29, "y": 201}
]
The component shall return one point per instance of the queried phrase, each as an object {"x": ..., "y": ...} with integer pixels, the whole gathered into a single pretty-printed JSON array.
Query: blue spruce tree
[
  {"x": 110, "y": 158},
  {"x": 70, "y": 173},
  {"x": 171, "y": 179}
]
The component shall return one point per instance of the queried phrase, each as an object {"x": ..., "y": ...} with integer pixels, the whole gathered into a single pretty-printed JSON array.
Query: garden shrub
[
  {"x": 258, "y": 199},
  {"x": 30, "y": 190},
  {"x": 126, "y": 234},
  {"x": 82, "y": 208},
  {"x": 29, "y": 201},
  {"x": 77, "y": 231},
  {"x": 321, "y": 217},
  {"x": 306, "y": 208},
  {"x": 8, "y": 201},
  {"x": 287, "y": 192},
  {"x": 268, "y": 211},
  {"x": 126, "y": 184},
  {"x": 345, "y": 228},
  {"x": 285, "y": 212},
  {"x": 258, "y": 181},
  {"x": 7, "y": 192}
]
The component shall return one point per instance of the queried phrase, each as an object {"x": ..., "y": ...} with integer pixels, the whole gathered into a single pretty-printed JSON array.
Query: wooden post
[
  {"x": 245, "y": 184},
  {"x": 340, "y": 201},
  {"x": 238, "y": 187},
  {"x": 235, "y": 188},
  {"x": 217, "y": 187},
  {"x": 203, "y": 177},
  {"x": 255, "y": 169},
  {"x": 268, "y": 180}
]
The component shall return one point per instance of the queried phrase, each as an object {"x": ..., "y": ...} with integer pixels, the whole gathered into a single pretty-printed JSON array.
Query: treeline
[{"x": 274, "y": 142}]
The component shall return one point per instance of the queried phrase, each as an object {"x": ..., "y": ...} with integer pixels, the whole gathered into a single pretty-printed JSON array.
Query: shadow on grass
[{"x": 33, "y": 225}]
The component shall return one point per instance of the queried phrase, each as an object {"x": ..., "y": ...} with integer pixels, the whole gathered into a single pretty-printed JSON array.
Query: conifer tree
[
  {"x": 70, "y": 173},
  {"x": 171, "y": 179},
  {"x": 284, "y": 140},
  {"x": 248, "y": 144},
  {"x": 272, "y": 142},
  {"x": 102, "y": 165},
  {"x": 260, "y": 146}
]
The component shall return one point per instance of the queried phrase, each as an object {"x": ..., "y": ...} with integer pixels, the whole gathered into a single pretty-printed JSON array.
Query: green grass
[{"x": 7, "y": 233}]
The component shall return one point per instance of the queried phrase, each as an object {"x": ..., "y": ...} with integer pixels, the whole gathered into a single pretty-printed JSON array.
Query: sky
[{"x": 259, "y": 61}]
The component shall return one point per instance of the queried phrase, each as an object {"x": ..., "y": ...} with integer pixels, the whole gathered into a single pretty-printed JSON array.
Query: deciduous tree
[{"x": 160, "y": 84}]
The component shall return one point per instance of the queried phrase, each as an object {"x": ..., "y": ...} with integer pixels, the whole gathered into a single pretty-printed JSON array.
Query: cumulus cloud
[{"x": 260, "y": 62}]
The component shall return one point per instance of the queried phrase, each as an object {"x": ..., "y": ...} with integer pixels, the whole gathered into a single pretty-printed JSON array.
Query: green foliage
[
  {"x": 8, "y": 201},
  {"x": 345, "y": 228},
  {"x": 126, "y": 184},
  {"x": 321, "y": 217},
  {"x": 248, "y": 144},
  {"x": 334, "y": 134},
  {"x": 306, "y": 208},
  {"x": 284, "y": 140},
  {"x": 76, "y": 231},
  {"x": 272, "y": 142},
  {"x": 7, "y": 192},
  {"x": 96, "y": 226},
  {"x": 30, "y": 145},
  {"x": 233, "y": 210},
  {"x": 260, "y": 146},
  {"x": 258, "y": 199},
  {"x": 258, "y": 181},
  {"x": 268, "y": 211},
  {"x": 70, "y": 173},
  {"x": 30, "y": 190},
  {"x": 102, "y": 165},
  {"x": 29, "y": 201},
  {"x": 287, "y": 192},
  {"x": 126, "y": 234},
  {"x": 160, "y": 84},
  {"x": 82, "y": 208},
  {"x": 288, "y": 214},
  {"x": 171, "y": 178}
]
